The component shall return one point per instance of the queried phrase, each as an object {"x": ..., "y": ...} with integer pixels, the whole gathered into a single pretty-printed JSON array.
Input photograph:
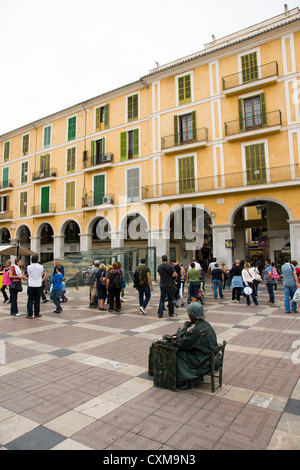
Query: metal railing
[
  {"x": 192, "y": 137},
  {"x": 253, "y": 122},
  {"x": 43, "y": 209},
  {"x": 94, "y": 200},
  {"x": 249, "y": 75},
  {"x": 226, "y": 181},
  {"x": 5, "y": 215},
  {"x": 98, "y": 160},
  {"x": 6, "y": 184},
  {"x": 47, "y": 173}
]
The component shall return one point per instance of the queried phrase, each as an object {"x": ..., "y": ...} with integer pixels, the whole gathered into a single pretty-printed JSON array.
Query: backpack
[
  {"x": 275, "y": 274},
  {"x": 138, "y": 278},
  {"x": 115, "y": 280},
  {"x": 90, "y": 278}
]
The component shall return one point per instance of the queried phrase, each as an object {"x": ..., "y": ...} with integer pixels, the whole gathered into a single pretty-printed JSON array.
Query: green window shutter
[
  {"x": 256, "y": 164},
  {"x": 132, "y": 107},
  {"x": 47, "y": 136},
  {"x": 24, "y": 172},
  {"x": 103, "y": 146},
  {"x": 184, "y": 89},
  {"x": 45, "y": 194},
  {"x": 106, "y": 116},
  {"x": 194, "y": 125},
  {"x": 99, "y": 189},
  {"x": 72, "y": 128},
  {"x": 5, "y": 172},
  {"x": 249, "y": 67},
  {"x": 176, "y": 136},
  {"x": 123, "y": 144},
  {"x": 45, "y": 165},
  {"x": 23, "y": 204},
  {"x": 71, "y": 160},
  {"x": 263, "y": 110},
  {"x": 135, "y": 143},
  {"x": 25, "y": 144},
  {"x": 6, "y": 151},
  {"x": 70, "y": 196},
  {"x": 241, "y": 115},
  {"x": 186, "y": 175},
  {"x": 98, "y": 116},
  {"x": 92, "y": 152}
]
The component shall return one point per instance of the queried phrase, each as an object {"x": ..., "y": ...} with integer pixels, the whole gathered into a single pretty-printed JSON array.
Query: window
[
  {"x": 97, "y": 151},
  {"x": 186, "y": 171},
  {"x": 102, "y": 118},
  {"x": 70, "y": 196},
  {"x": 5, "y": 180},
  {"x": 25, "y": 144},
  {"x": 99, "y": 189},
  {"x": 256, "y": 164},
  {"x": 249, "y": 67},
  {"x": 185, "y": 129},
  {"x": 45, "y": 199},
  {"x": 47, "y": 137},
  {"x": 132, "y": 107},
  {"x": 6, "y": 151},
  {"x": 184, "y": 89},
  {"x": 133, "y": 184},
  {"x": 24, "y": 172},
  {"x": 23, "y": 204},
  {"x": 71, "y": 160},
  {"x": 130, "y": 144},
  {"x": 45, "y": 166},
  {"x": 252, "y": 112},
  {"x": 72, "y": 128},
  {"x": 4, "y": 203}
]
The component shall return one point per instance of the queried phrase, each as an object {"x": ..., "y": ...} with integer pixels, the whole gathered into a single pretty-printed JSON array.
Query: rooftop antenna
[{"x": 286, "y": 7}]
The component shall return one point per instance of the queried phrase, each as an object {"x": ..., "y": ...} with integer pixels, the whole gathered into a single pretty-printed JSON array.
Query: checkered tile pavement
[{"x": 79, "y": 379}]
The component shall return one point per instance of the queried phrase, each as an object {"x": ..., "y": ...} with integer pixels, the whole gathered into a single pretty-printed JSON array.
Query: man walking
[
  {"x": 36, "y": 275},
  {"x": 217, "y": 281},
  {"x": 144, "y": 285},
  {"x": 269, "y": 281},
  {"x": 290, "y": 284},
  {"x": 167, "y": 275}
]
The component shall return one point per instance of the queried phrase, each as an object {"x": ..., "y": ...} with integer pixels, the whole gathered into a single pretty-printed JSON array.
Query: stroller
[{"x": 200, "y": 292}]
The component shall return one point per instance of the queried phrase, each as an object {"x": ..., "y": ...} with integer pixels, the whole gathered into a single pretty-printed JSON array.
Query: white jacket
[{"x": 248, "y": 275}]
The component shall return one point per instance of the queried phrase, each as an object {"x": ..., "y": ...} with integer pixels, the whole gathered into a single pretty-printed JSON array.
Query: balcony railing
[
  {"x": 250, "y": 75},
  {"x": 46, "y": 208},
  {"x": 253, "y": 123},
  {"x": 98, "y": 160},
  {"x": 6, "y": 184},
  {"x": 42, "y": 174},
  {"x": 227, "y": 181},
  {"x": 5, "y": 215},
  {"x": 94, "y": 200},
  {"x": 192, "y": 137}
]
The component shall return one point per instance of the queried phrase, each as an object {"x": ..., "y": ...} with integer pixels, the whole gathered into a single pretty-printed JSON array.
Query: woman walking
[
  {"x": 248, "y": 276},
  {"x": 15, "y": 275},
  {"x": 236, "y": 281},
  {"x": 6, "y": 281}
]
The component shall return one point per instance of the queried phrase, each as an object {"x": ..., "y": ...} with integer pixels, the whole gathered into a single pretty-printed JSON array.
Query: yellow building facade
[{"x": 209, "y": 143}]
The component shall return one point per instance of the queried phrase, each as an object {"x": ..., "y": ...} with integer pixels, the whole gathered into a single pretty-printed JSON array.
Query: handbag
[
  {"x": 258, "y": 277},
  {"x": 16, "y": 286},
  {"x": 296, "y": 297}
]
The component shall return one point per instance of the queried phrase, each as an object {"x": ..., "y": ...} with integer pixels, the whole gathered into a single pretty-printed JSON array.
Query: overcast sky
[{"x": 59, "y": 53}]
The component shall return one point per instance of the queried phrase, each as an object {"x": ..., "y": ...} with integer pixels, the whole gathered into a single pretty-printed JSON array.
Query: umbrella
[{"x": 16, "y": 250}]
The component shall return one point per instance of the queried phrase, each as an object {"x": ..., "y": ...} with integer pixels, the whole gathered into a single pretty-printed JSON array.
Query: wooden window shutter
[
  {"x": 23, "y": 204},
  {"x": 256, "y": 164},
  {"x": 25, "y": 144},
  {"x": 176, "y": 135},
  {"x": 24, "y": 172},
  {"x": 184, "y": 89},
  {"x": 249, "y": 67},
  {"x": 5, "y": 172},
  {"x": 6, "y": 151},
  {"x": 72, "y": 128},
  {"x": 71, "y": 157},
  {"x": 123, "y": 145},
  {"x": 135, "y": 143},
  {"x": 263, "y": 110},
  {"x": 98, "y": 115},
  {"x": 194, "y": 125},
  {"x": 92, "y": 152},
  {"x": 99, "y": 189},
  {"x": 45, "y": 199},
  {"x": 186, "y": 175},
  {"x": 106, "y": 116},
  {"x": 241, "y": 114},
  {"x": 70, "y": 195}
]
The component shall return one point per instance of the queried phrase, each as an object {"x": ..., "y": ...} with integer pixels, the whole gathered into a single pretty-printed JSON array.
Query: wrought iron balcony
[
  {"x": 47, "y": 208},
  {"x": 42, "y": 174},
  {"x": 94, "y": 200},
  {"x": 267, "y": 73},
  {"x": 219, "y": 183},
  {"x": 6, "y": 185},
  {"x": 89, "y": 164},
  {"x": 194, "y": 139},
  {"x": 256, "y": 123},
  {"x": 5, "y": 215}
]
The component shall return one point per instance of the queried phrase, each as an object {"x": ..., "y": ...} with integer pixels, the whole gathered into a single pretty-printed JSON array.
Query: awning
[{"x": 12, "y": 250}]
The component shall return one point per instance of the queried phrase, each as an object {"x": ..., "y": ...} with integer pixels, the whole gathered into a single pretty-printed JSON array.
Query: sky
[{"x": 56, "y": 54}]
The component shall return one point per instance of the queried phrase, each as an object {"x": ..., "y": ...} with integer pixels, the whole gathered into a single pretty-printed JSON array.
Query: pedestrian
[
  {"x": 212, "y": 265},
  {"x": 143, "y": 284},
  {"x": 224, "y": 269},
  {"x": 177, "y": 282},
  {"x": 63, "y": 290},
  {"x": 44, "y": 288},
  {"x": 270, "y": 280},
  {"x": 193, "y": 277},
  {"x": 93, "y": 286},
  {"x": 197, "y": 265},
  {"x": 114, "y": 285},
  {"x": 15, "y": 275},
  {"x": 56, "y": 282},
  {"x": 36, "y": 275},
  {"x": 167, "y": 274},
  {"x": 236, "y": 285},
  {"x": 101, "y": 286},
  {"x": 58, "y": 263},
  {"x": 6, "y": 281},
  {"x": 290, "y": 284},
  {"x": 182, "y": 282},
  {"x": 217, "y": 281},
  {"x": 248, "y": 275}
]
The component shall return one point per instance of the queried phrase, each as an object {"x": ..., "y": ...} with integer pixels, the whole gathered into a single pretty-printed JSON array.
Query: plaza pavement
[{"x": 79, "y": 379}]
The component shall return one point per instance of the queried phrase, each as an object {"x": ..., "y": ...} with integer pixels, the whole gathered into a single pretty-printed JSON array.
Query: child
[{"x": 56, "y": 290}]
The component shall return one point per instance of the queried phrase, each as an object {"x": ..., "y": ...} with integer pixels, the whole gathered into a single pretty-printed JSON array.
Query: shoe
[
  {"x": 294, "y": 311},
  {"x": 57, "y": 311},
  {"x": 173, "y": 315},
  {"x": 44, "y": 301},
  {"x": 142, "y": 310},
  {"x": 5, "y": 301},
  {"x": 38, "y": 316},
  {"x": 17, "y": 314},
  {"x": 65, "y": 300},
  {"x": 29, "y": 316}
]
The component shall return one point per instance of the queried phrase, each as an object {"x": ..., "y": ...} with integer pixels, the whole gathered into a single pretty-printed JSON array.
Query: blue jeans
[
  {"x": 144, "y": 291},
  {"x": 270, "y": 287},
  {"x": 289, "y": 292},
  {"x": 217, "y": 284},
  {"x": 164, "y": 292},
  {"x": 194, "y": 286},
  {"x": 55, "y": 296}
]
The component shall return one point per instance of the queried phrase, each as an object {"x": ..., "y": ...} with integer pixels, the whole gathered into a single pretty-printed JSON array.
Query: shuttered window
[
  {"x": 133, "y": 184},
  {"x": 252, "y": 112},
  {"x": 6, "y": 151},
  {"x": 132, "y": 107},
  {"x": 102, "y": 118},
  {"x": 70, "y": 196},
  {"x": 256, "y": 164},
  {"x": 24, "y": 172},
  {"x": 99, "y": 189},
  {"x": 249, "y": 67},
  {"x": 25, "y": 144},
  {"x": 5, "y": 181},
  {"x": 184, "y": 89},
  {"x": 45, "y": 199},
  {"x": 23, "y": 204},
  {"x": 72, "y": 128},
  {"x": 186, "y": 172},
  {"x": 47, "y": 137},
  {"x": 45, "y": 165},
  {"x": 129, "y": 145},
  {"x": 71, "y": 160}
]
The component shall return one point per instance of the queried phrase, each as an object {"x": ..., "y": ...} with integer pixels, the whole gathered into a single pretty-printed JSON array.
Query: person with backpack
[
  {"x": 143, "y": 283},
  {"x": 270, "y": 278},
  {"x": 290, "y": 284},
  {"x": 114, "y": 285},
  {"x": 91, "y": 281}
]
